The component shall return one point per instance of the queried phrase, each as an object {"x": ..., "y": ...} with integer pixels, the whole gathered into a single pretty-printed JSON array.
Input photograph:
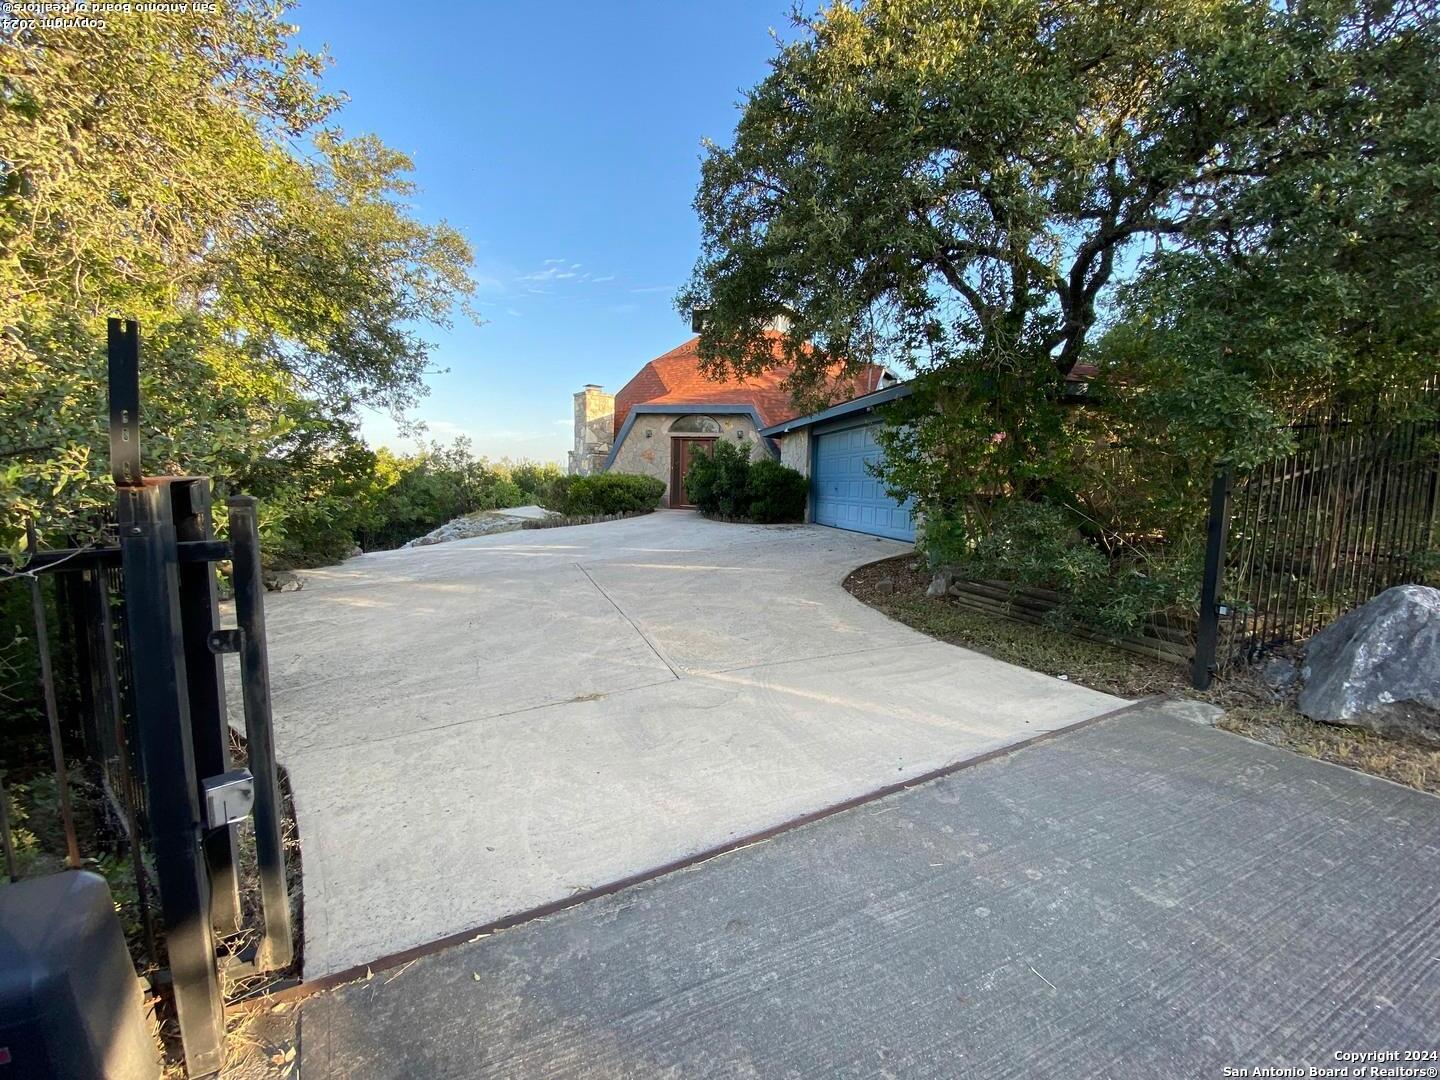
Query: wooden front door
[{"x": 682, "y": 452}]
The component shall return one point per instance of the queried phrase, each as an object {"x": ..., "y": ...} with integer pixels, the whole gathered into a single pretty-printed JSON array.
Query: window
[{"x": 695, "y": 425}]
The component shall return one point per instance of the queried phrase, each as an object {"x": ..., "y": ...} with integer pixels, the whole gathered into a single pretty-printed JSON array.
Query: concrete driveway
[
  {"x": 1144, "y": 897},
  {"x": 480, "y": 728}
]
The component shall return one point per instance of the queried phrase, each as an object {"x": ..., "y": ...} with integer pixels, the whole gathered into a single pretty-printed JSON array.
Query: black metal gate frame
[{"x": 175, "y": 644}]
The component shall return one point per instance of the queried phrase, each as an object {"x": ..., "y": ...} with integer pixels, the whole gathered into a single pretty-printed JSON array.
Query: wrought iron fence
[{"x": 1297, "y": 542}]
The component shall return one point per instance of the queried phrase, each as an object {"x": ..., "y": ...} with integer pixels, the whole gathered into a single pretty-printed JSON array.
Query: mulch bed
[{"x": 897, "y": 587}]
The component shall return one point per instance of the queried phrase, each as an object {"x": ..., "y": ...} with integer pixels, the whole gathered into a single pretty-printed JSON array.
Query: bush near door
[
  {"x": 603, "y": 493},
  {"x": 727, "y": 484}
]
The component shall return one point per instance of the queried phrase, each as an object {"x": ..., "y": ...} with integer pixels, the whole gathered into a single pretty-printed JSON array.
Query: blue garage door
[{"x": 845, "y": 494}]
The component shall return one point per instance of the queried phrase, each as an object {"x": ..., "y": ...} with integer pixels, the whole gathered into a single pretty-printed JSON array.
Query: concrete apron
[
  {"x": 1145, "y": 897},
  {"x": 484, "y": 727}
]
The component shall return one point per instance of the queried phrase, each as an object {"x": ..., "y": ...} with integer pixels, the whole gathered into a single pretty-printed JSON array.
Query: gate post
[
  {"x": 205, "y": 677},
  {"x": 276, "y": 950},
  {"x": 162, "y": 707},
  {"x": 1207, "y": 633}
]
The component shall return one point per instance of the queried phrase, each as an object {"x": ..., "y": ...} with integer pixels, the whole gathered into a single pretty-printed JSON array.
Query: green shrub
[
  {"x": 1042, "y": 545},
  {"x": 777, "y": 492},
  {"x": 603, "y": 493},
  {"x": 700, "y": 482},
  {"x": 534, "y": 479},
  {"x": 716, "y": 482},
  {"x": 405, "y": 497},
  {"x": 726, "y": 483}
]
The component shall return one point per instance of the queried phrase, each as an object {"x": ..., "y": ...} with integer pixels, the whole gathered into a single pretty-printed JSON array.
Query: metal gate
[{"x": 141, "y": 610}]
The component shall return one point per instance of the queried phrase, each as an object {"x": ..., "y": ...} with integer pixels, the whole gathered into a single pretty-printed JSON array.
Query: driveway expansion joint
[{"x": 654, "y": 647}]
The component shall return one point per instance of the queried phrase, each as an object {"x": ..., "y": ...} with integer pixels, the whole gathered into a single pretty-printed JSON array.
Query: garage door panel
[{"x": 847, "y": 495}]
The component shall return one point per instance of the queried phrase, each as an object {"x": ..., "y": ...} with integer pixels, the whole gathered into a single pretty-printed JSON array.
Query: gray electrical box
[
  {"x": 229, "y": 797},
  {"x": 70, "y": 1004}
]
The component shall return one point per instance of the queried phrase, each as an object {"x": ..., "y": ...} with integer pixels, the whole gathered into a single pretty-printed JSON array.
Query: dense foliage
[
  {"x": 413, "y": 494},
  {"x": 1226, "y": 209},
  {"x": 727, "y": 484},
  {"x": 602, "y": 493},
  {"x": 186, "y": 172}
]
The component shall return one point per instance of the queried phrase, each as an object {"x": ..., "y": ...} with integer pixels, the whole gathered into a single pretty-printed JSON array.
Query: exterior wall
[
  {"x": 649, "y": 454},
  {"x": 795, "y": 450},
  {"x": 594, "y": 430}
]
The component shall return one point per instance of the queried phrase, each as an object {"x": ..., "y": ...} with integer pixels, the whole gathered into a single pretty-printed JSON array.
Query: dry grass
[{"x": 1250, "y": 708}]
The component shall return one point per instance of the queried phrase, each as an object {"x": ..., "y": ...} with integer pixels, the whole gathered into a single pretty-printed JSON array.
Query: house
[
  {"x": 836, "y": 448},
  {"x": 670, "y": 411}
]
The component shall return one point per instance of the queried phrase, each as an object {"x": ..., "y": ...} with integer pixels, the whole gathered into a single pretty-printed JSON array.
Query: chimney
[{"x": 594, "y": 430}]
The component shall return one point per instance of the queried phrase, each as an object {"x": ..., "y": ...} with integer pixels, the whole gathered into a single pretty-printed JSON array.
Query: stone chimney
[{"x": 594, "y": 430}]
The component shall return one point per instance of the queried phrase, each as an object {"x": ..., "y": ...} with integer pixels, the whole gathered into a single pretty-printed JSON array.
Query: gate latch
[
  {"x": 224, "y": 641},
  {"x": 229, "y": 797}
]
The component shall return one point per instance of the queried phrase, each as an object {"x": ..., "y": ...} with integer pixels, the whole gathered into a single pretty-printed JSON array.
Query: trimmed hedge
[
  {"x": 603, "y": 493},
  {"x": 777, "y": 492},
  {"x": 727, "y": 484}
]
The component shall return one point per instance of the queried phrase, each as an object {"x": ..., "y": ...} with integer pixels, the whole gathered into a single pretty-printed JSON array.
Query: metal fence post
[
  {"x": 162, "y": 706},
  {"x": 205, "y": 678},
  {"x": 52, "y": 714},
  {"x": 1207, "y": 634},
  {"x": 102, "y": 623},
  {"x": 123, "y": 343},
  {"x": 276, "y": 950}
]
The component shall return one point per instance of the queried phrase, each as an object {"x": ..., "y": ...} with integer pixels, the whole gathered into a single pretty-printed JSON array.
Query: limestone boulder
[
  {"x": 283, "y": 581},
  {"x": 940, "y": 583},
  {"x": 1378, "y": 667}
]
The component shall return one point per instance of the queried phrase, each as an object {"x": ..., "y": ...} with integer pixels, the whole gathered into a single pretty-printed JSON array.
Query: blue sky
[{"x": 564, "y": 141}]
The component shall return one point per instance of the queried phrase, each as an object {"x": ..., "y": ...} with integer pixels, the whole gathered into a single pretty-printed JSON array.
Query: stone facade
[
  {"x": 594, "y": 430},
  {"x": 646, "y": 449},
  {"x": 795, "y": 450}
]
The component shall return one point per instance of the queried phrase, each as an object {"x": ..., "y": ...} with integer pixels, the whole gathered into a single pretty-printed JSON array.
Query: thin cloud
[
  {"x": 653, "y": 289},
  {"x": 555, "y": 272}
]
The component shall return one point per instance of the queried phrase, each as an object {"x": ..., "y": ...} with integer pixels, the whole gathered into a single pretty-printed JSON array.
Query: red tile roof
[{"x": 675, "y": 379}]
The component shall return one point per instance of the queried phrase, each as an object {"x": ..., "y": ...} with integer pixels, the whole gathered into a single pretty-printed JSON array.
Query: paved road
[
  {"x": 483, "y": 727},
  {"x": 1143, "y": 897}
]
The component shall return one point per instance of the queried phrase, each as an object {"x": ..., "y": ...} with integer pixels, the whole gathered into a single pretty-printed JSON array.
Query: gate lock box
[{"x": 229, "y": 798}]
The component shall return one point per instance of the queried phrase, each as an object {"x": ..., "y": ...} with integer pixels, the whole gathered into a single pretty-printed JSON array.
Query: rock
[
  {"x": 463, "y": 528},
  {"x": 940, "y": 583},
  {"x": 1279, "y": 673},
  {"x": 885, "y": 587},
  {"x": 283, "y": 581},
  {"x": 1379, "y": 666},
  {"x": 356, "y": 552}
]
